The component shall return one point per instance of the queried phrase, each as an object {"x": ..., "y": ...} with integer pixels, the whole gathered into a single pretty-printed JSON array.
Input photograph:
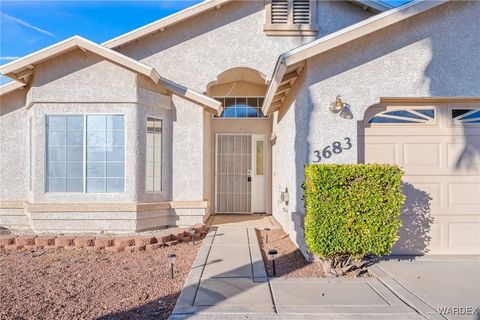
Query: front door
[{"x": 239, "y": 185}]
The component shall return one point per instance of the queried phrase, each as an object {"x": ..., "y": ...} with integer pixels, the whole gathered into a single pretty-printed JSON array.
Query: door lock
[{"x": 249, "y": 175}]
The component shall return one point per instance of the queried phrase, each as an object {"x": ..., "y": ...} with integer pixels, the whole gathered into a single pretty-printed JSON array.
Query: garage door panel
[
  {"x": 422, "y": 196},
  {"x": 464, "y": 236},
  {"x": 441, "y": 161},
  {"x": 381, "y": 153},
  {"x": 417, "y": 235},
  {"x": 464, "y": 195},
  {"x": 463, "y": 157},
  {"x": 421, "y": 155}
]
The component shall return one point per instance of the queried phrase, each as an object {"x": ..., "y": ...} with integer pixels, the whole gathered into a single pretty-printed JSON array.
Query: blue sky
[{"x": 27, "y": 26}]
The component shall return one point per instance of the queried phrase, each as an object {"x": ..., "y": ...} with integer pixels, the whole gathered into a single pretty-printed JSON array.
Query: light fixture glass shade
[
  {"x": 272, "y": 253},
  {"x": 337, "y": 106},
  {"x": 171, "y": 257}
]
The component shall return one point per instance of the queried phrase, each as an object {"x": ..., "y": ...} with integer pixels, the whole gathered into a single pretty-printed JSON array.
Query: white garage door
[{"x": 438, "y": 147}]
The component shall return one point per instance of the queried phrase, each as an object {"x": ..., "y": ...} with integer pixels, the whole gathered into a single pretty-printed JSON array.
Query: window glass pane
[
  {"x": 154, "y": 155},
  {"x": 64, "y": 144},
  {"x": 157, "y": 184},
  {"x": 75, "y": 185},
  {"x": 149, "y": 186},
  {"x": 115, "y": 138},
  {"x": 115, "y": 122},
  {"x": 96, "y": 184},
  {"x": 115, "y": 184},
  {"x": 115, "y": 153},
  {"x": 75, "y": 169},
  {"x": 259, "y": 158},
  {"x": 158, "y": 168},
  {"x": 96, "y": 138},
  {"x": 242, "y": 107},
  {"x": 96, "y": 169},
  {"x": 458, "y": 112},
  {"x": 252, "y": 102},
  {"x": 56, "y": 139},
  {"x": 150, "y": 138},
  {"x": 96, "y": 123},
  {"x": 74, "y": 138},
  {"x": 150, "y": 169},
  {"x": 56, "y": 123},
  {"x": 56, "y": 169},
  {"x": 75, "y": 154},
  {"x": 56, "y": 185},
  {"x": 75, "y": 123},
  {"x": 106, "y": 153},
  {"x": 158, "y": 154},
  {"x": 115, "y": 169},
  {"x": 96, "y": 154},
  {"x": 56, "y": 154}
]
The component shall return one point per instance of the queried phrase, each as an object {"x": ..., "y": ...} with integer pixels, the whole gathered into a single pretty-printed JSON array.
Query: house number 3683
[{"x": 336, "y": 148}]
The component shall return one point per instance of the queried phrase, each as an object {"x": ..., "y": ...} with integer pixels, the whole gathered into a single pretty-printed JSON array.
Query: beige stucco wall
[
  {"x": 13, "y": 146},
  {"x": 195, "y": 52},
  {"x": 432, "y": 54}
]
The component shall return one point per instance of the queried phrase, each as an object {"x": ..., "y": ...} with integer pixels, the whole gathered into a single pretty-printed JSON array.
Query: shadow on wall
[{"x": 414, "y": 235}]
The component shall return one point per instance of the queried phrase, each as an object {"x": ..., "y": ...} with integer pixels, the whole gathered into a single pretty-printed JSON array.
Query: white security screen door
[{"x": 233, "y": 172}]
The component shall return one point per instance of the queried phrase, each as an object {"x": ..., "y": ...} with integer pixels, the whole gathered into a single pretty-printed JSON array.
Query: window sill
[{"x": 290, "y": 29}]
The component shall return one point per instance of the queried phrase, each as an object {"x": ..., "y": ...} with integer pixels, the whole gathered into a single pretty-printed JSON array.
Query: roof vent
[
  {"x": 279, "y": 11},
  {"x": 301, "y": 11}
]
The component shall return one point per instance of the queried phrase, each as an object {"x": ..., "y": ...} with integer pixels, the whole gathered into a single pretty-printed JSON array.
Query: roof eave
[
  {"x": 342, "y": 37},
  {"x": 10, "y": 87},
  {"x": 163, "y": 23}
]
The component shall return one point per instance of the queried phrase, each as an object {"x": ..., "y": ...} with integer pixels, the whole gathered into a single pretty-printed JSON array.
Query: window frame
[
  {"x": 290, "y": 28},
  {"x": 244, "y": 118},
  {"x": 161, "y": 155},
  {"x": 84, "y": 155}
]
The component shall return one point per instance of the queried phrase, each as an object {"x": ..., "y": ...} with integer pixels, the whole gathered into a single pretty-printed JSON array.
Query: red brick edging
[{"x": 104, "y": 243}]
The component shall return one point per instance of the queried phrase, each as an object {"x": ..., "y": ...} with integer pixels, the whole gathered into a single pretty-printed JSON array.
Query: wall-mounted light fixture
[
  {"x": 342, "y": 107},
  {"x": 338, "y": 105}
]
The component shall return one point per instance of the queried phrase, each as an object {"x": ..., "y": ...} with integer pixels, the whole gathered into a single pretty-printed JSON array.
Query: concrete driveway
[{"x": 438, "y": 287}]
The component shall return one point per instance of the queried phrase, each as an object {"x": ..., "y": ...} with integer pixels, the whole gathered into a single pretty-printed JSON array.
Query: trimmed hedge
[{"x": 352, "y": 210}]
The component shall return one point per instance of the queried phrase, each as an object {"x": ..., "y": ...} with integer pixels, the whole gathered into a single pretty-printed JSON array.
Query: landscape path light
[
  {"x": 273, "y": 253},
  {"x": 192, "y": 233},
  {"x": 171, "y": 259},
  {"x": 267, "y": 230}
]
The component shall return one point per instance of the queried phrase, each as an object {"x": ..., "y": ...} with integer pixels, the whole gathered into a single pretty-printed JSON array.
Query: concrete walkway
[{"x": 228, "y": 281}]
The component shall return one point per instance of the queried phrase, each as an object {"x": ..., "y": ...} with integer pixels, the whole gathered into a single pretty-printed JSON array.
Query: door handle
[{"x": 249, "y": 175}]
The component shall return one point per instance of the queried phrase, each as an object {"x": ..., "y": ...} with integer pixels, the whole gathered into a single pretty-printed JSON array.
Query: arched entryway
[{"x": 241, "y": 143}]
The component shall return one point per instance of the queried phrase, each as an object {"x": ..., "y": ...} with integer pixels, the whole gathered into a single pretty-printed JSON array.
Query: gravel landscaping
[
  {"x": 290, "y": 262},
  {"x": 86, "y": 284}
]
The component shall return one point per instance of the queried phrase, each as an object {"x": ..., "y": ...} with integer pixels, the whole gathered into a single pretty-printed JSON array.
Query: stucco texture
[{"x": 432, "y": 54}]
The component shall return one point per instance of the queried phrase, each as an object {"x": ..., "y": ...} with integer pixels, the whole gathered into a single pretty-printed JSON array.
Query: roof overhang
[
  {"x": 290, "y": 63},
  {"x": 10, "y": 87},
  {"x": 162, "y": 24},
  {"x": 21, "y": 70}
]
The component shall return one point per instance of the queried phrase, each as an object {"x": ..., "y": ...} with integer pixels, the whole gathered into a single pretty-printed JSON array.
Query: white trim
[
  {"x": 162, "y": 24},
  {"x": 10, "y": 87},
  {"x": 14, "y": 68}
]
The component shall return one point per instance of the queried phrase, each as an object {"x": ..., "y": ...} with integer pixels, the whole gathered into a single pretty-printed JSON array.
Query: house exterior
[{"x": 217, "y": 108}]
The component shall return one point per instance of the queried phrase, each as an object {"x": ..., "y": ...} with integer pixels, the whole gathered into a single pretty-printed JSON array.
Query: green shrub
[{"x": 351, "y": 211}]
